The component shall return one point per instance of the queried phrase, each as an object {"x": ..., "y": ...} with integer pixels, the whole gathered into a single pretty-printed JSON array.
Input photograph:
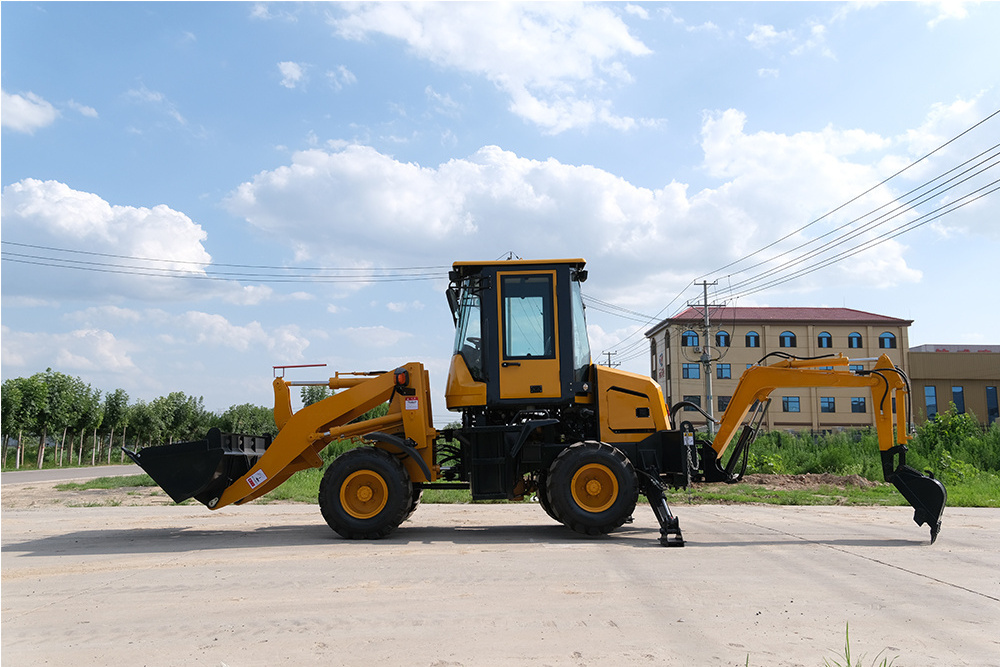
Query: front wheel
[
  {"x": 592, "y": 487},
  {"x": 365, "y": 494}
]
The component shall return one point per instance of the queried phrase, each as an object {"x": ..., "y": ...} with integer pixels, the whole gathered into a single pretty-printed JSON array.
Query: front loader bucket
[
  {"x": 926, "y": 494},
  {"x": 202, "y": 469}
]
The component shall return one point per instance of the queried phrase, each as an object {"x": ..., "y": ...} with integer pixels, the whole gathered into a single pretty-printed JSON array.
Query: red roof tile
[{"x": 793, "y": 314}]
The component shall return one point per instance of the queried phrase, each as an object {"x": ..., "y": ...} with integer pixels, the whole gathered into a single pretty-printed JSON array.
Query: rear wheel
[
  {"x": 592, "y": 488},
  {"x": 365, "y": 494}
]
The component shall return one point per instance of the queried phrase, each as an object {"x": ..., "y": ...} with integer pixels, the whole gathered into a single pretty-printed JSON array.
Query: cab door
[{"x": 528, "y": 334}]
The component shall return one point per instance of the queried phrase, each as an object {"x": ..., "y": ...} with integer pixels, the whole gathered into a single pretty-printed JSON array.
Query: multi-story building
[
  {"x": 966, "y": 376},
  {"x": 740, "y": 337}
]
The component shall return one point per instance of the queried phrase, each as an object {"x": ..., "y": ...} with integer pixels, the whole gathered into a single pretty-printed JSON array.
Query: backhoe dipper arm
[
  {"x": 758, "y": 382},
  {"x": 925, "y": 494}
]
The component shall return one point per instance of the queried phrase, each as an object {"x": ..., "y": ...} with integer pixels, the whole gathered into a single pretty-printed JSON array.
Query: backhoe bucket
[
  {"x": 926, "y": 494},
  {"x": 202, "y": 469}
]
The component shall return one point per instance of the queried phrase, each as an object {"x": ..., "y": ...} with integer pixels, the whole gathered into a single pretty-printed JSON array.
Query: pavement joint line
[{"x": 874, "y": 560}]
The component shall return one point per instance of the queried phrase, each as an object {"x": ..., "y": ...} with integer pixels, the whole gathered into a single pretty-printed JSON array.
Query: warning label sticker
[
  {"x": 412, "y": 403},
  {"x": 256, "y": 479}
]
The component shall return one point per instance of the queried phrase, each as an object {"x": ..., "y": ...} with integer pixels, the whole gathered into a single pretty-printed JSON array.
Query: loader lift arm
[
  {"x": 889, "y": 388},
  {"x": 230, "y": 469}
]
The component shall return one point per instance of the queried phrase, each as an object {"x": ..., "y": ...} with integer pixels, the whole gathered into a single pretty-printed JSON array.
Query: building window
[
  {"x": 856, "y": 368},
  {"x": 722, "y": 339},
  {"x": 786, "y": 339},
  {"x": 724, "y": 402},
  {"x": 887, "y": 341},
  {"x": 858, "y": 404},
  {"x": 789, "y": 403},
  {"x": 854, "y": 341},
  {"x": 825, "y": 340},
  {"x": 724, "y": 371},
  {"x": 692, "y": 399},
  {"x": 992, "y": 409},
  {"x": 958, "y": 398},
  {"x": 930, "y": 401},
  {"x": 753, "y": 339},
  {"x": 689, "y": 339},
  {"x": 827, "y": 404},
  {"x": 691, "y": 371}
]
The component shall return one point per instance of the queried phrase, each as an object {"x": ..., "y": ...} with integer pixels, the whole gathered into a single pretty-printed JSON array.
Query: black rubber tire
[
  {"x": 365, "y": 494},
  {"x": 415, "y": 496},
  {"x": 592, "y": 488},
  {"x": 543, "y": 495}
]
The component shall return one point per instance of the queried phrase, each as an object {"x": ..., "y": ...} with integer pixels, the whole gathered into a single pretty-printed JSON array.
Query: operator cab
[{"x": 520, "y": 334}]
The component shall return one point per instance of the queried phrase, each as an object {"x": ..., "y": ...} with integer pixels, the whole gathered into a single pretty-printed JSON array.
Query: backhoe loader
[{"x": 537, "y": 417}]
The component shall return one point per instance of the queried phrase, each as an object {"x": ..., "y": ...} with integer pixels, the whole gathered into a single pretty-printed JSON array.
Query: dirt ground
[
  {"x": 38, "y": 495},
  {"x": 810, "y": 481},
  {"x": 27, "y": 496}
]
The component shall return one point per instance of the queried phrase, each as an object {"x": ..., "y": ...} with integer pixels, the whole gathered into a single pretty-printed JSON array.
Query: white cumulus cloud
[
  {"x": 101, "y": 237},
  {"x": 292, "y": 74},
  {"x": 378, "y": 210},
  {"x": 26, "y": 113},
  {"x": 553, "y": 61}
]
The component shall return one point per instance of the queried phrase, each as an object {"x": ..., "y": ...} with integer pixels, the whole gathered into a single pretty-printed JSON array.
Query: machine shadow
[{"x": 182, "y": 539}]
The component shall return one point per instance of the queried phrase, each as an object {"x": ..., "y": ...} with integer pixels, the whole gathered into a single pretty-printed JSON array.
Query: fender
[{"x": 396, "y": 441}]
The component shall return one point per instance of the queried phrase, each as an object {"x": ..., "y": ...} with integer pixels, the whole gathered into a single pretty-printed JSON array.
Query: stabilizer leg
[{"x": 670, "y": 527}]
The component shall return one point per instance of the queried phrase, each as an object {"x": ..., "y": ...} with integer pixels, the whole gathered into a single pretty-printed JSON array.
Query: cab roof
[{"x": 470, "y": 267}]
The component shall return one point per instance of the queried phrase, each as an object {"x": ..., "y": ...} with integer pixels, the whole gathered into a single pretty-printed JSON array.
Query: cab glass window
[
  {"x": 581, "y": 343},
  {"x": 528, "y": 316},
  {"x": 468, "y": 334}
]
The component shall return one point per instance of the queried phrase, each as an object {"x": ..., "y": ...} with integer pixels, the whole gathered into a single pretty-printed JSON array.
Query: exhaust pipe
[{"x": 201, "y": 469}]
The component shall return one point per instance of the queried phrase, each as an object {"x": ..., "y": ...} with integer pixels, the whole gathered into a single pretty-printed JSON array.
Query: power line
[
  {"x": 853, "y": 199},
  {"x": 133, "y": 265},
  {"x": 243, "y": 266},
  {"x": 902, "y": 207}
]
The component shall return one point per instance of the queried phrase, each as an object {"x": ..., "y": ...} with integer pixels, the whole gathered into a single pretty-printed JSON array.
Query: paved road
[
  {"x": 66, "y": 474},
  {"x": 496, "y": 585}
]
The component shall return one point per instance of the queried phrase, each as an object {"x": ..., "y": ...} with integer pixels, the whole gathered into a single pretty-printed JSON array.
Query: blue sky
[{"x": 351, "y": 152}]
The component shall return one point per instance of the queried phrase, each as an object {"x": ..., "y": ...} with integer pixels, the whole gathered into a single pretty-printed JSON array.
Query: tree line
[{"x": 54, "y": 418}]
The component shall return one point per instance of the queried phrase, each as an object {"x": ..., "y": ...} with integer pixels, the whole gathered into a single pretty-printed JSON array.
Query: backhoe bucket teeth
[
  {"x": 926, "y": 494},
  {"x": 202, "y": 469}
]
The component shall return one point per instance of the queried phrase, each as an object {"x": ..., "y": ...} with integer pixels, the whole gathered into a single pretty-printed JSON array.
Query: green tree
[
  {"x": 313, "y": 394},
  {"x": 90, "y": 419},
  {"x": 61, "y": 408},
  {"x": 28, "y": 411},
  {"x": 248, "y": 418},
  {"x": 116, "y": 414},
  {"x": 147, "y": 423},
  {"x": 10, "y": 397},
  {"x": 183, "y": 417}
]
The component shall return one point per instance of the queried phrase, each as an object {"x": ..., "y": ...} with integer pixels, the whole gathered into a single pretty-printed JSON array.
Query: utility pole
[
  {"x": 608, "y": 354},
  {"x": 706, "y": 354}
]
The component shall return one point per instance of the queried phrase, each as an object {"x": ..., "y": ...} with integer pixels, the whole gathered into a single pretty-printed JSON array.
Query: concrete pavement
[
  {"x": 66, "y": 474},
  {"x": 496, "y": 584}
]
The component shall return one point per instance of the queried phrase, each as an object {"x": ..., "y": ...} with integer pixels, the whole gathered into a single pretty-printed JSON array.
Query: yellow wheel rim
[
  {"x": 594, "y": 487},
  {"x": 364, "y": 494}
]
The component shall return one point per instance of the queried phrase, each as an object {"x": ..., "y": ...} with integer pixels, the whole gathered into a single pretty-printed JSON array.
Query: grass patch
[{"x": 108, "y": 483}]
